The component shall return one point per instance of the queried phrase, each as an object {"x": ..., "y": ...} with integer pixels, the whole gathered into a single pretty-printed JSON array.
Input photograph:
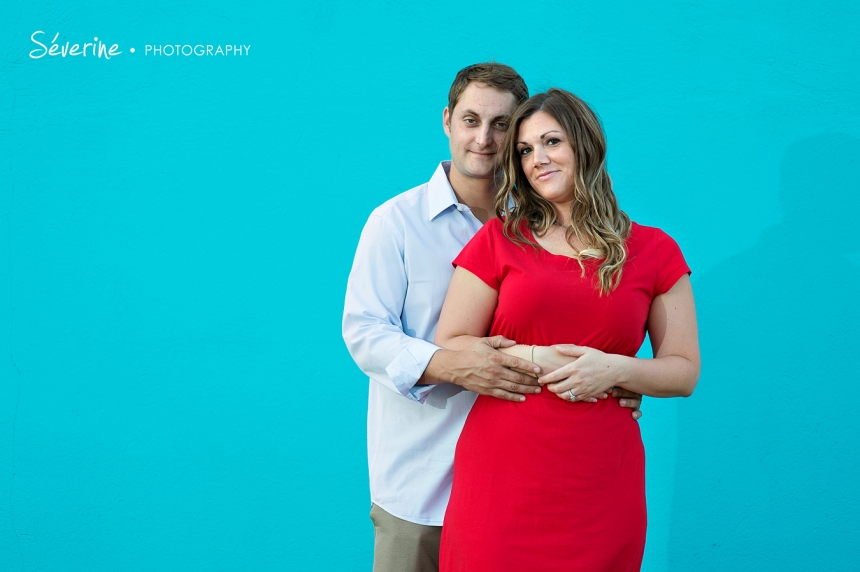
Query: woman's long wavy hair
[{"x": 595, "y": 217}]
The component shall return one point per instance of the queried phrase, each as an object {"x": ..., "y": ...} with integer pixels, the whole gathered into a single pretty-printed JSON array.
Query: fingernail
[
  {"x": 537, "y": 390},
  {"x": 622, "y": 402}
]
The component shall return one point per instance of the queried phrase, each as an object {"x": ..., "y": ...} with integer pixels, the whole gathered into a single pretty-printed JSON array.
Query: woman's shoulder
[
  {"x": 647, "y": 235},
  {"x": 650, "y": 239},
  {"x": 495, "y": 224},
  {"x": 486, "y": 236},
  {"x": 498, "y": 224},
  {"x": 503, "y": 241},
  {"x": 651, "y": 247},
  {"x": 652, "y": 243},
  {"x": 496, "y": 227}
]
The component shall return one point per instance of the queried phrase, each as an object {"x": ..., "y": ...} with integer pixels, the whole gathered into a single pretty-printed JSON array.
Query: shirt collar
[{"x": 440, "y": 195}]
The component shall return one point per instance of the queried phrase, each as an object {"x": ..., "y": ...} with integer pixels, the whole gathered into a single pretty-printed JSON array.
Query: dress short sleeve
[
  {"x": 479, "y": 254},
  {"x": 670, "y": 263}
]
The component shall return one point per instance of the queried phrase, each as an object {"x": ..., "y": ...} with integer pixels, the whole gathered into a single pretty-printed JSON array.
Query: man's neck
[{"x": 477, "y": 194}]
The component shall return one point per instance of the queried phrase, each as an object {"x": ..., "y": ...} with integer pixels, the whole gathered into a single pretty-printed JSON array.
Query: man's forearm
[
  {"x": 437, "y": 369},
  {"x": 440, "y": 365},
  {"x": 481, "y": 368}
]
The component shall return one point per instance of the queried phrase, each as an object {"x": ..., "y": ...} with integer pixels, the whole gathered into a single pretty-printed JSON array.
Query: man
[{"x": 420, "y": 394}]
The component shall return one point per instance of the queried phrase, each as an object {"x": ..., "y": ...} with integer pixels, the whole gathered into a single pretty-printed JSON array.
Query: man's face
[{"x": 476, "y": 127}]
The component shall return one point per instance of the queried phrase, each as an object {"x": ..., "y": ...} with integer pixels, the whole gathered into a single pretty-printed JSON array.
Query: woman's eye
[
  {"x": 525, "y": 151},
  {"x": 553, "y": 141}
]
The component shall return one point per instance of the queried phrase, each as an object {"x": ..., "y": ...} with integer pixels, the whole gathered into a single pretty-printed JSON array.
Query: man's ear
[{"x": 446, "y": 121}]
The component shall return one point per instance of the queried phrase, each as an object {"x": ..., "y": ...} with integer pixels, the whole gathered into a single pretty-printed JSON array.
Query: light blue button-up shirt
[{"x": 394, "y": 296}]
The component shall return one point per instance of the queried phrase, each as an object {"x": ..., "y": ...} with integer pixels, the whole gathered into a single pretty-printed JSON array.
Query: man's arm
[
  {"x": 481, "y": 368},
  {"x": 373, "y": 332}
]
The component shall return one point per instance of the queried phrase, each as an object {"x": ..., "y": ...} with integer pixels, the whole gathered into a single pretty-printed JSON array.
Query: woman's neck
[{"x": 562, "y": 214}]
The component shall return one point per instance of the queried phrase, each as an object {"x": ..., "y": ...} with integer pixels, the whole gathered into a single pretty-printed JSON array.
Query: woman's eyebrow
[{"x": 542, "y": 136}]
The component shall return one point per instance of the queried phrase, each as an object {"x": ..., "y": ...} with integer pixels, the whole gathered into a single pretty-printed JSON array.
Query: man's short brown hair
[{"x": 497, "y": 76}]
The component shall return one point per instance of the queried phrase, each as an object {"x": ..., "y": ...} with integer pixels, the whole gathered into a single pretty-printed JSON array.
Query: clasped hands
[
  {"x": 587, "y": 373},
  {"x": 590, "y": 375}
]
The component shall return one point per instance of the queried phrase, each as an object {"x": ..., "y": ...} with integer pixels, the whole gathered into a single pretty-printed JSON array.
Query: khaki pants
[{"x": 403, "y": 546}]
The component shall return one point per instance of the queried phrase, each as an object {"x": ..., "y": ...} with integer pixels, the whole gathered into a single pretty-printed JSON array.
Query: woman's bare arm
[
  {"x": 673, "y": 371},
  {"x": 465, "y": 319},
  {"x": 467, "y": 311}
]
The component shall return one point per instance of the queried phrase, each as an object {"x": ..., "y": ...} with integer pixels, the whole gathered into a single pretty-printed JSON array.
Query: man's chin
[
  {"x": 482, "y": 169},
  {"x": 485, "y": 177},
  {"x": 482, "y": 174},
  {"x": 476, "y": 170}
]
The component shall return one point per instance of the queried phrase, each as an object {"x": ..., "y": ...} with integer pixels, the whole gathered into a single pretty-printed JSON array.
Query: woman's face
[{"x": 547, "y": 159}]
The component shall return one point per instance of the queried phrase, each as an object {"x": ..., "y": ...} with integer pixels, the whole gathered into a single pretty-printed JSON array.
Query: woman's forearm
[
  {"x": 545, "y": 357},
  {"x": 667, "y": 376},
  {"x": 456, "y": 343},
  {"x": 592, "y": 372}
]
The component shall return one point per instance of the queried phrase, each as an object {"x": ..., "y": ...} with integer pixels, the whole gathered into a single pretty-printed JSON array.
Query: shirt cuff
[
  {"x": 408, "y": 367},
  {"x": 420, "y": 392}
]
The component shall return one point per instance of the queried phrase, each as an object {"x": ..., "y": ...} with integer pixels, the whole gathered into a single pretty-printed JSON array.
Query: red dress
[{"x": 549, "y": 485}]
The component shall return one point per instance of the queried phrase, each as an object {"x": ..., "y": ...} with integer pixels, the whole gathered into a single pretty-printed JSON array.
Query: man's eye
[
  {"x": 469, "y": 121},
  {"x": 502, "y": 126}
]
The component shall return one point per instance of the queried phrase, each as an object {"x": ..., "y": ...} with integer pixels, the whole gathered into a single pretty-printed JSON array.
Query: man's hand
[
  {"x": 483, "y": 369},
  {"x": 628, "y": 399}
]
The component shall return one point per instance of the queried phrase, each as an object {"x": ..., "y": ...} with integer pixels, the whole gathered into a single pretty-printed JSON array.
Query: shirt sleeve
[
  {"x": 478, "y": 255},
  {"x": 372, "y": 328},
  {"x": 670, "y": 263}
]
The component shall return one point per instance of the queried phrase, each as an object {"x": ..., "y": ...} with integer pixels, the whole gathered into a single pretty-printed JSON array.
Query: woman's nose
[{"x": 539, "y": 156}]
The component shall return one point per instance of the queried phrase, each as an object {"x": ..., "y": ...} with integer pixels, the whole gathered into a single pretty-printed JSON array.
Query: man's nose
[{"x": 485, "y": 136}]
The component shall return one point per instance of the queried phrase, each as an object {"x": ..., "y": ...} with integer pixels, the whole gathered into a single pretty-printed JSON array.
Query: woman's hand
[
  {"x": 673, "y": 371},
  {"x": 554, "y": 358},
  {"x": 591, "y": 375},
  {"x": 547, "y": 358}
]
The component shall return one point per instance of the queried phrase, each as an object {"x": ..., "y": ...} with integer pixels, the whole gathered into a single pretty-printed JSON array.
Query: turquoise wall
[{"x": 176, "y": 232}]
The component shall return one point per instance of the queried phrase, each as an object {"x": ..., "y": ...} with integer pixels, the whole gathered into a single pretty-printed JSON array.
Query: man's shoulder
[{"x": 409, "y": 203}]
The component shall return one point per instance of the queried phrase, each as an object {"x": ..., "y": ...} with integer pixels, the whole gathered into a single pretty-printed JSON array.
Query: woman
[{"x": 557, "y": 482}]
